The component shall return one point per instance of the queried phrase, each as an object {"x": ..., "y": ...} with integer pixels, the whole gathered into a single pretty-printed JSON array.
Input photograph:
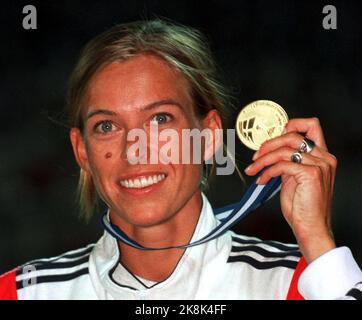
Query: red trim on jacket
[
  {"x": 293, "y": 293},
  {"x": 8, "y": 286}
]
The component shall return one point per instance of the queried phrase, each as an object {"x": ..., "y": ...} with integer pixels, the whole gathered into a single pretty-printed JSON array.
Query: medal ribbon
[{"x": 254, "y": 197}]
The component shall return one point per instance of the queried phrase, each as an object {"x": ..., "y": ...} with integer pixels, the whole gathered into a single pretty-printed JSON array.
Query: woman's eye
[
  {"x": 104, "y": 127},
  {"x": 161, "y": 118}
]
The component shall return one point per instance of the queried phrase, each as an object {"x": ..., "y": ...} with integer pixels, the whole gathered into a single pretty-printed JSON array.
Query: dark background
[{"x": 274, "y": 50}]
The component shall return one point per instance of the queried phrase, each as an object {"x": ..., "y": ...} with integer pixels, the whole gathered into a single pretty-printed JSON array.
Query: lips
[{"x": 143, "y": 181}]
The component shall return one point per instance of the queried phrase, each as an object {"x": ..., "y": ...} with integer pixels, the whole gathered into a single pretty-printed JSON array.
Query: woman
[{"x": 155, "y": 73}]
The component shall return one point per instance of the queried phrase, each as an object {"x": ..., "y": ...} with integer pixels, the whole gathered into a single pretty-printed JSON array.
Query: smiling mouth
[{"x": 143, "y": 182}]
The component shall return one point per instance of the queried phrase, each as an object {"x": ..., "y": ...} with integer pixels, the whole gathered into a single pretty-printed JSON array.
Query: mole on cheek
[{"x": 108, "y": 155}]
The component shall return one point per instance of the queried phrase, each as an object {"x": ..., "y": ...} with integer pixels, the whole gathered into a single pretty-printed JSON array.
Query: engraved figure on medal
[{"x": 260, "y": 121}]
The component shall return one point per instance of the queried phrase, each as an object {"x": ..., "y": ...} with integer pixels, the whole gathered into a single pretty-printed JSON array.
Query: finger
[
  {"x": 293, "y": 140},
  {"x": 300, "y": 172},
  {"x": 284, "y": 154},
  {"x": 311, "y": 127}
]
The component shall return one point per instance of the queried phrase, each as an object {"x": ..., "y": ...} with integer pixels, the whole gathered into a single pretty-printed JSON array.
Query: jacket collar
[{"x": 107, "y": 272}]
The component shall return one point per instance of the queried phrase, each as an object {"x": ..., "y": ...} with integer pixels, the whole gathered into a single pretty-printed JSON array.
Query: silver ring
[
  {"x": 296, "y": 157},
  {"x": 306, "y": 146}
]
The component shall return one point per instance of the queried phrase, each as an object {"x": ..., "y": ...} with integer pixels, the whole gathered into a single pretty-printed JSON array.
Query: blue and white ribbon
[{"x": 228, "y": 216}]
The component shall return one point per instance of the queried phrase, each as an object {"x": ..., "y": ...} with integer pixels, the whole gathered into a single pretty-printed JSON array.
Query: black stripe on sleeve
[
  {"x": 355, "y": 293},
  {"x": 77, "y": 254},
  {"x": 52, "y": 265},
  {"x": 266, "y": 253},
  {"x": 262, "y": 265},
  {"x": 50, "y": 278},
  {"x": 274, "y": 244}
]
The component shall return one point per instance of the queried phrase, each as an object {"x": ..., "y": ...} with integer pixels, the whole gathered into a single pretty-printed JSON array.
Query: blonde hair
[{"x": 182, "y": 47}]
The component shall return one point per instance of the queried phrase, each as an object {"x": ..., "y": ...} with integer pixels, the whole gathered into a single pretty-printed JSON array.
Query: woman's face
[{"x": 128, "y": 95}]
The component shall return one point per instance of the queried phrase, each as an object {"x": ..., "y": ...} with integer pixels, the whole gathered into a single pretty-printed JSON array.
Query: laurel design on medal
[{"x": 260, "y": 121}]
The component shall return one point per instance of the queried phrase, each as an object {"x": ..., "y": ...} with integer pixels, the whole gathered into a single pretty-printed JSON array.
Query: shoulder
[
  {"x": 269, "y": 269},
  {"x": 32, "y": 275}
]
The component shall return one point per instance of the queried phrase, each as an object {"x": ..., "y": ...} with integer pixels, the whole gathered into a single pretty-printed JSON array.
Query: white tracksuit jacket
[{"x": 229, "y": 267}]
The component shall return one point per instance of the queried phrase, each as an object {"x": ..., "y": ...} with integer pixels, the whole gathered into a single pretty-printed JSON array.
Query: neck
[{"x": 159, "y": 264}]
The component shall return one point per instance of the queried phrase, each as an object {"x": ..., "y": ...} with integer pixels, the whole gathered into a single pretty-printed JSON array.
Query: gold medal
[{"x": 260, "y": 121}]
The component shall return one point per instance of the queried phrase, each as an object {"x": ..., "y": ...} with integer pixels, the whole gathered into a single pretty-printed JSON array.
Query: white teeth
[{"x": 143, "y": 182}]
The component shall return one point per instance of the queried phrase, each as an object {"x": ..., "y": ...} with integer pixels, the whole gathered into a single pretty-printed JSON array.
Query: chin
[{"x": 144, "y": 215}]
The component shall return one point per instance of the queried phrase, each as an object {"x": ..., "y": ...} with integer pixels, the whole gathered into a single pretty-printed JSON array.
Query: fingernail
[
  {"x": 256, "y": 154},
  {"x": 247, "y": 168},
  {"x": 284, "y": 131},
  {"x": 257, "y": 180}
]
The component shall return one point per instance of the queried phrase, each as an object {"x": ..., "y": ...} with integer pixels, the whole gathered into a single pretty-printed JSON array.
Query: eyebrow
[{"x": 149, "y": 106}]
